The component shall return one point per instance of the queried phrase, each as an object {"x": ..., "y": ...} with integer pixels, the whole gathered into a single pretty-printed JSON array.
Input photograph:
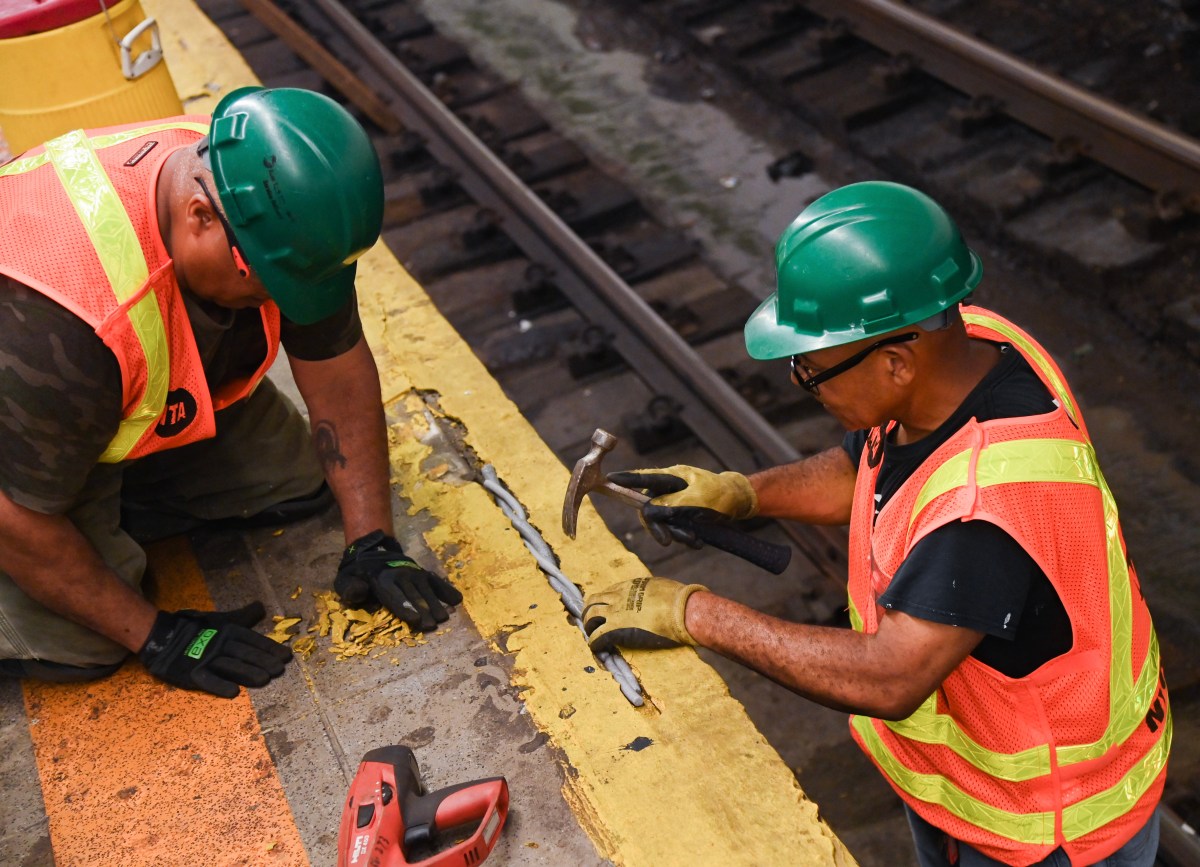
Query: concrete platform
[{"x": 128, "y": 771}]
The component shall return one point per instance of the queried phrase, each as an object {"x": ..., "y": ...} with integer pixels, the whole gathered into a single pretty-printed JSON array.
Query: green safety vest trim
[
  {"x": 1014, "y": 462},
  {"x": 1036, "y": 461},
  {"x": 1097, "y": 811},
  {"x": 856, "y": 621},
  {"x": 1069, "y": 462},
  {"x": 1035, "y": 829},
  {"x": 16, "y": 167},
  {"x": 115, "y": 241},
  {"x": 1031, "y": 350},
  {"x": 27, "y": 164},
  {"x": 930, "y": 727}
]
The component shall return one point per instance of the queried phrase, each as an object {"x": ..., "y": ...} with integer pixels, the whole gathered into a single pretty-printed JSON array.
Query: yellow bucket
[{"x": 98, "y": 70}]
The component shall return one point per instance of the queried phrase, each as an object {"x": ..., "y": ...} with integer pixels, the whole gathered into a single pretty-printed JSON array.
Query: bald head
[{"x": 196, "y": 236}]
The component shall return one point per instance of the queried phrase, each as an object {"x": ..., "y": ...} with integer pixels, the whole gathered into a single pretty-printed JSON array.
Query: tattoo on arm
[{"x": 329, "y": 451}]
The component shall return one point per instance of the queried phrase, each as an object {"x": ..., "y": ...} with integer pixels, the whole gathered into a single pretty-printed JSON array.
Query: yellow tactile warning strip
[
  {"x": 199, "y": 771},
  {"x": 686, "y": 779}
]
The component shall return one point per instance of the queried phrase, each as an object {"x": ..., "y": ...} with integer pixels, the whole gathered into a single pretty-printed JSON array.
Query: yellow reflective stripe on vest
[
  {"x": 16, "y": 167},
  {"x": 1032, "y": 351},
  {"x": 856, "y": 621},
  {"x": 1072, "y": 462},
  {"x": 116, "y": 243},
  {"x": 1026, "y": 460},
  {"x": 27, "y": 164},
  {"x": 1035, "y": 829},
  {"x": 930, "y": 727},
  {"x": 1040, "y": 461},
  {"x": 1097, "y": 811},
  {"x": 1128, "y": 700}
]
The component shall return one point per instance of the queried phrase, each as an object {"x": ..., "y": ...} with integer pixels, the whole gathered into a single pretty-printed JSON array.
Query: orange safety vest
[
  {"x": 78, "y": 222},
  {"x": 1075, "y": 753}
]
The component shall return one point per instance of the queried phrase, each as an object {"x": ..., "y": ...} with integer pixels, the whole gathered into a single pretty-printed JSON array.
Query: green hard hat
[
  {"x": 861, "y": 260},
  {"x": 300, "y": 183}
]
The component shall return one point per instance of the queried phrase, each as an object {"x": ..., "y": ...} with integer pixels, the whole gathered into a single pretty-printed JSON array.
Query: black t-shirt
[
  {"x": 60, "y": 386},
  {"x": 973, "y": 573}
]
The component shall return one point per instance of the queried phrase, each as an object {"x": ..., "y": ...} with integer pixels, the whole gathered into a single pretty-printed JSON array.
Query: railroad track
[
  {"x": 1074, "y": 163},
  {"x": 586, "y": 307}
]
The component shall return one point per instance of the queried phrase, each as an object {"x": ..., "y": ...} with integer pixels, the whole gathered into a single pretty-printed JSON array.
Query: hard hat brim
[
  {"x": 306, "y": 303},
  {"x": 767, "y": 338}
]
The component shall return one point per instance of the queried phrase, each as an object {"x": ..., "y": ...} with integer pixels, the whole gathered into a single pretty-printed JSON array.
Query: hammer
[{"x": 587, "y": 478}]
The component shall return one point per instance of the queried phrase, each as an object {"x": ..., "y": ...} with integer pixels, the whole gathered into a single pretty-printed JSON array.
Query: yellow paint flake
[
  {"x": 354, "y": 632},
  {"x": 296, "y": 593},
  {"x": 338, "y": 624},
  {"x": 280, "y": 631}
]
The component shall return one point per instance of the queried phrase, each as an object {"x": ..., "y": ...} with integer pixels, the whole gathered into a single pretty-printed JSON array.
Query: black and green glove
[
  {"x": 213, "y": 651},
  {"x": 680, "y": 495},
  {"x": 375, "y": 570},
  {"x": 646, "y": 613}
]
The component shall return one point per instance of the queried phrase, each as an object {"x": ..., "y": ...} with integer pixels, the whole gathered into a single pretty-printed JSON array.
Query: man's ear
[
  {"x": 198, "y": 215},
  {"x": 900, "y": 363}
]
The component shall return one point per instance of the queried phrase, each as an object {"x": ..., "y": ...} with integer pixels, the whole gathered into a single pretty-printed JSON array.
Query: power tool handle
[
  {"x": 769, "y": 555},
  {"x": 451, "y": 807}
]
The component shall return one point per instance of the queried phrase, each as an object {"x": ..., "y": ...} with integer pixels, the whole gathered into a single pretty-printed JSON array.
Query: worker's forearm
[
  {"x": 350, "y": 435},
  {"x": 816, "y": 490},
  {"x": 52, "y": 562},
  {"x": 835, "y": 667}
]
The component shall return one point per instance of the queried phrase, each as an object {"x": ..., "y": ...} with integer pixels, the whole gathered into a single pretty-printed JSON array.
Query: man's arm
[
  {"x": 816, "y": 490},
  {"x": 345, "y": 408},
  {"x": 51, "y": 561},
  {"x": 61, "y": 390},
  {"x": 886, "y": 675}
]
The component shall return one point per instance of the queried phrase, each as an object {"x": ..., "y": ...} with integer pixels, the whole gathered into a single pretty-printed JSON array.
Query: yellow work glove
[
  {"x": 689, "y": 492},
  {"x": 643, "y": 613}
]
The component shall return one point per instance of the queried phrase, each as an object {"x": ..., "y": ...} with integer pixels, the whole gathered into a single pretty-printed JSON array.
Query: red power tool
[{"x": 389, "y": 816}]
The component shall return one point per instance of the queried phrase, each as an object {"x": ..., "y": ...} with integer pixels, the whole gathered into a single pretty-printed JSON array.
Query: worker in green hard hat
[
  {"x": 1001, "y": 667},
  {"x": 149, "y": 274}
]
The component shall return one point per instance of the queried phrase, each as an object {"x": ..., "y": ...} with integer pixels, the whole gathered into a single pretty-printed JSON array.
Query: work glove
[
  {"x": 645, "y": 613},
  {"x": 212, "y": 651},
  {"x": 374, "y": 570},
  {"x": 681, "y": 494}
]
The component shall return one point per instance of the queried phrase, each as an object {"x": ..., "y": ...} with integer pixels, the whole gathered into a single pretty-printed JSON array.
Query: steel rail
[
  {"x": 1131, "y": 144},
  {"x": 716, "y": 413}
]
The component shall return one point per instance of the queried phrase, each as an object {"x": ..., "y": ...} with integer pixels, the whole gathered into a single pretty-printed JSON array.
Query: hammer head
[{"x": 586, "y": 476}]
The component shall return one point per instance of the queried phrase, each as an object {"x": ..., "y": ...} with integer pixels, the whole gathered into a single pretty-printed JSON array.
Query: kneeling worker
[
  {"x": 1002, "y": 669},
  {"x": 148, "y": 274}
]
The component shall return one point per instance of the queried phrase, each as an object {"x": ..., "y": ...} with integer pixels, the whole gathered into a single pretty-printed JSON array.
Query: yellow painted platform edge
[{"x": 710, "y": 787}]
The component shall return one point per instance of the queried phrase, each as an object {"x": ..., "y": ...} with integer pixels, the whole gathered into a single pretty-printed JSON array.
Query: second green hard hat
[
  {"x": 300, "y": 183},
  {"x": 861, "y": 260}
]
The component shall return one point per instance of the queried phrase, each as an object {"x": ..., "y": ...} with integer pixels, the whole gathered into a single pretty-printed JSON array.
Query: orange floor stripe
[{"x": 135, "y": 772}]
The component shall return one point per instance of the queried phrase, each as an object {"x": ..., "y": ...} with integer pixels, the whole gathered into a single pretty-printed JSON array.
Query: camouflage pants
[{"x": 261, "y": 456}]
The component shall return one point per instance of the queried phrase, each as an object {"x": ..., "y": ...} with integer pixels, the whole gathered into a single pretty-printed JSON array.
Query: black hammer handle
[{"x": 770, "y": 556}]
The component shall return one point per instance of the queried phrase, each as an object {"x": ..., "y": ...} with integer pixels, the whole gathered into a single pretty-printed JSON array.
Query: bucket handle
[
  {"x": 135, "y": 68},
  {"x": 145, "y": 61}
]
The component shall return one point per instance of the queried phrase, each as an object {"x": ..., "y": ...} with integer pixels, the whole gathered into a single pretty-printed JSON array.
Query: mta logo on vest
[
  {"x": 178, "y": 413},
  {"x": 1158, "y": 710}
]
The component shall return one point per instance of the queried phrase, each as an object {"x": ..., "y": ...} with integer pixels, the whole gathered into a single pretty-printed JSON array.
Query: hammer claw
[{"x": 588, "y": 478}]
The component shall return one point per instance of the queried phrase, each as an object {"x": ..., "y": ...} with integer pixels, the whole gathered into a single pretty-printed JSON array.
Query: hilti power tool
[{"x": 389, "y": 820}]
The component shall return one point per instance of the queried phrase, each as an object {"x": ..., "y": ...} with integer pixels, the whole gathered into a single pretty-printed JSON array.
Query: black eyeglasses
[
  {"x": 238, "y": 259},
  {"x": 813, "y": 381}
]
